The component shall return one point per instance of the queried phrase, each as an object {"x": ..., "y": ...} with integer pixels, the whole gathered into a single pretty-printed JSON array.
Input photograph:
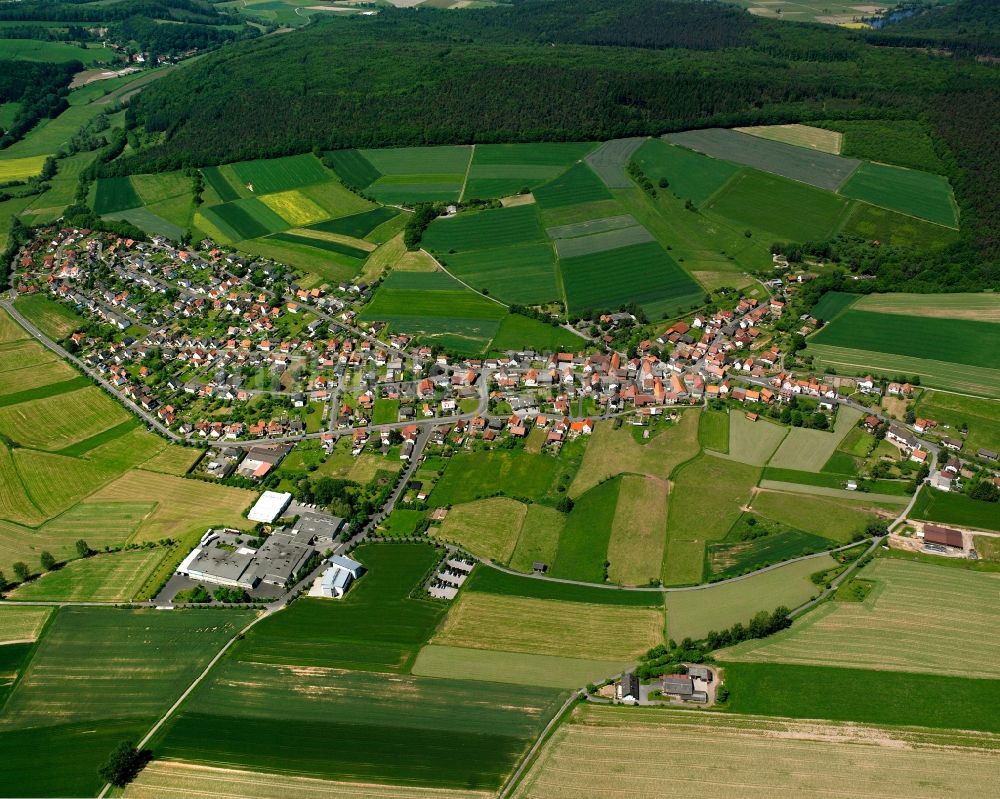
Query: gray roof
[
  {"x": 676, "y": 684},
  {"x": 222, "y": 564}
]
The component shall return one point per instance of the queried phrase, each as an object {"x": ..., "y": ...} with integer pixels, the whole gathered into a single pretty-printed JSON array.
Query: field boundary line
[
  {"x": 23, "y": 670},
  {"x": 468, "y": 169},
  {"x": 197, "y": 681},
  {"x": 540, "y": 741},
  {"x": 453, "y": 277}
]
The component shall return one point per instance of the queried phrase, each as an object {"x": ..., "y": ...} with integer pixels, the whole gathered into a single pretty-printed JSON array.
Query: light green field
[
  {"x": 916, "y": 618},
  {"x": 874, "y": 498},
  {"x": 981, "y": 415},
  {"x": 544, "y": 627},
  {"x": 539, "y": 539},
  {"x": 638, "y": 532},
  {"x": 808, "y": 450},
  {"x": 691, "y": 176},
  {"x": 832, "y": 517},
  {"x": 15, "y": 504},
  {"x": 22, "y": 624},
  {"x": 488, "y": 528},
  {"x": 14, "y": 380},
  {"x": 57, "y": 482},
  {"x": 981, "y": 307},
  {"x": 694, "y": 613},
  {"x": 753, "y": 443},
  {"x": 58, "y": 52},
  {"x": 9, "y": 331},
  {"x": 705, "y": 501},
  {"x": 172, "y": 460},
  {"x": 53, "y": 318},
  {"x": 115, "y": 577},
  {"x": 21, "y": 168},
  {"x": 550, "y": 671},
  {"x": 56, "y": 422},
  {"x": 908, "y": 191}
]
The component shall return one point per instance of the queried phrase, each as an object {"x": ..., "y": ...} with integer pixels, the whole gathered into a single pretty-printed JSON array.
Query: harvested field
[
  {"x": 58, "y": 421},
  {"x": 779, "y": 206},
  {"x": 984, "y": 307},
  {"x": 549, "y": 671},
  {"x": 694, "y": 613},
  {"x": 610, "y": 159},
  {"x": 825, "y": 141},
  {"x": 808, "y": 450},
  {"x": 612, "y": 452},
  {"x": 26, "y": 353},
  {"x": 53, "y": 318},
  {"x": 823, "y": 170},
  {"x": 10, "y": 330},
  {"x": 610, "y": 753},
  {"x": 545, "y": 627},
  {"x": 55, "y": 482},
  {"x": 691, "y": 175},
  {"x": 834, "y": 517},
  {"x": 183, "y": 506},
  {"x": 908, "y": 191},
  {"x": 21, "y": 624},
  {"x": 169, "y": 778},
  {"x": 638, "y": 533},
  {"x": 488, "y": 528},
  {"x": 113, "y": 577},
  {"x": 753, "y": 443},
  {"x": 174, "y": 460},
  {"x": 915, "y": 619}
]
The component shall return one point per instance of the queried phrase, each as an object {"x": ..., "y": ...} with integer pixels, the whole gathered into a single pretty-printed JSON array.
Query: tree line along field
[
  {"x": 663, "y": 753},
  {"x": 100, "y": 675},
  {"x": 946, "y": 352},
  {"x": 915, "y": 619}
]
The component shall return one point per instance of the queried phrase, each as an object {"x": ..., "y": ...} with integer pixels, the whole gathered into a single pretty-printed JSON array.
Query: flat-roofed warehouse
[
  {"x": 947, "y": 536},
  {"x": 269, "y": 507}
]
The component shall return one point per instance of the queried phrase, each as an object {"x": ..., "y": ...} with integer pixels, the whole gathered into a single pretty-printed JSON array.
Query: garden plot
[
  {"x": 610, "y": 159},
  {"x": 545, "y": 627},
  {"x": 915, "y": 619},
  {"x": 823, "y": 170},
  {"x": 663, "y": 754},
  {"x": 715, "y": 607},
  {"x": 809, "y": 450},
  {"x": 690, "y": 175}
]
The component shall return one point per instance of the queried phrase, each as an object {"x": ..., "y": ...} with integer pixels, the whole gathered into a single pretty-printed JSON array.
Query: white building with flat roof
[
  {"x": 334, "y": 582},
  {"x": 269, "y": 507}
]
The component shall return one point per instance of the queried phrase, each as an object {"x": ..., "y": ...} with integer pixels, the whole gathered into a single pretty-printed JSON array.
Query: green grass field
[
  {"x": 21, "y": 168},
  {"x": 899, "y": 230},
  {"x": 353, "y": 168},
  {"x": 908, "y": 191},
  {"x": 716, "y": 607},
  {"x": 322, "y": 244},
  {"x": 101, "y": 669},
  {"x": 53, "y": 318},
  {"x": 152, "y": 223},
  {"x": 549, "y": 671},
  {"x": 485, "y": 580},
  {"x": 22, "y": 623},
  {"x": 409, "y": 175},
  {"x": 691, "y": 175},
  {"x": 576, "y": 186},
  {"x": 115, "y": 194},
  {"x": 836, "y": 517},
  {"x": 640, "y": 273},
  {"x": 782, "y": 207},
  {"x": 914, "y": 620},
  {"x": 519, "y": 332},
  {"x": 753, "y": 443},
  {"x": 115, "y": 577},
  {"x": 474, "y": 475},
  {"x": 832, "y": 304},
  {"x": 936, "y": 506},
  {"x": 216, "y": 179},
  {"x": 583, "y": 544},
  {"x": 809, "y": 450},
  {"x": 824, "y": 692},
  {"x": 819, "y": 169},
  {"x": 245, "y": 219},
  {"x": 357, "y": 225},
  {"x": 713, "y": 431},
  {"x": 58, "y": 421},
  {"x": 438, "y": 308},
  {"x": 501, "y": 169},
  {"x": 735, "y": 556},
  {"x": 280, "y": 174}
]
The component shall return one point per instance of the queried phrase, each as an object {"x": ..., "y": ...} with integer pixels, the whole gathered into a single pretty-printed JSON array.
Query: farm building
[
  {"x": 681, "y": 685},
  {"x": 627, "y": 690},
  {"x": 269, "y": 507},
  {"x": 945, "y": 536},
  {"x": 334, "y": 582}
]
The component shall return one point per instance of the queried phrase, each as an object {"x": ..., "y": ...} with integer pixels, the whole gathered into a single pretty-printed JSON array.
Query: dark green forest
[
  {"x": 41, "y": 90},
  {"x": 971, "y": 27}
]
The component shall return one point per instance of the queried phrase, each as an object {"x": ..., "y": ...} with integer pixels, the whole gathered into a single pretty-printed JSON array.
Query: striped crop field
[
  {"x": 982, "y": 307},
  {"x": 280, "y": 174},
  {"x": 58, "y": 421},
  {"x": 915, "y": 619},
  {"x": 610, "y": 159},
  {"x": 615, "y": 752},
  {"x": 504, "y": 169},
  {"x": 115, "y": 194},
  {"x": 22, "y": 623},
  {"x": 908, "y": 191}
]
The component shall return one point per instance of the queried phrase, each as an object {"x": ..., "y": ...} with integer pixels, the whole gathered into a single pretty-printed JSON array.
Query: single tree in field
[
  {"x": 82, "y": 549},
  {"x": 124, "y": 764},
  {"x": 48, "y": 562},
  {"x": 21, "y": 571}
]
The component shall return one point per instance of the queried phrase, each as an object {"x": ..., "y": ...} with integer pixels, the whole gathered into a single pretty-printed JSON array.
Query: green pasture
[
  {"x": 982, "y": 417},
  {"x": 115, "y": 194},
  {"x": 713, "y": 431},
  {"x": 583, "y": 543},
  {"x": 950, "y": 508},
  {"x": 576, "y": 186},
  {"x": 519, "y": 332},
  {"x": 491, "y": 581},
  {"x": 58, "y": 52},
  {"x": 641, "y": 273},
  {"x": 691, "y": 175},
  {"x": 353, "y": 168},
  {"x": 908, "y": 191},
  {"x": 814, "y": 692},
  {"x": 896, "y": 229},
  {"x": 833, "y": 517},
  {"x": 831, "y": 304},
  {"x": 357, "y": 225},
  {"x": 812, "y": 167},
  {"x": 782, "y": 207},
  {"x": 475, "y": 475}
]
